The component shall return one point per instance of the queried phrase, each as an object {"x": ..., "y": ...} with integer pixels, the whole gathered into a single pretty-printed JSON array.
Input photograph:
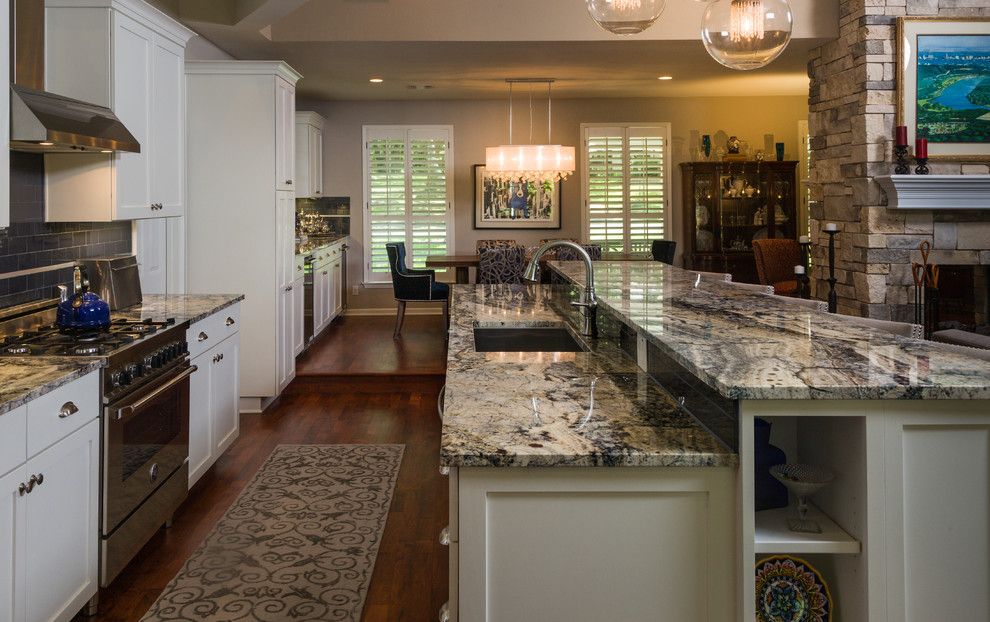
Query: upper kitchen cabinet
[
  {"x": 309, "y": 155},
  {"x": 136, "y": 67},
  {"x": 240, "y": 227}
]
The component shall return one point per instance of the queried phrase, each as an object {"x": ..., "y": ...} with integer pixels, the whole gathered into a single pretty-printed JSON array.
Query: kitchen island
[{"x": 693, "y": 364}]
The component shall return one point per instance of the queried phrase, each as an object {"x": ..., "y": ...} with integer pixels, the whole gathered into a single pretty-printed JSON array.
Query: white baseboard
[{"x": 431, "y": 310}]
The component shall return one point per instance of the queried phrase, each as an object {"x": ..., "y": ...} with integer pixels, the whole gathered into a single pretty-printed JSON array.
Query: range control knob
[
  {"x": 133, "y": 371},
  {"x": 117, "y": 379}
]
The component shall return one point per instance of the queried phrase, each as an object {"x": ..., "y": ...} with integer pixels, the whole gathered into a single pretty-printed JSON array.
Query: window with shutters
[
  {"x": 626, "y": 187},
  {"x": 409, "y": 192}
]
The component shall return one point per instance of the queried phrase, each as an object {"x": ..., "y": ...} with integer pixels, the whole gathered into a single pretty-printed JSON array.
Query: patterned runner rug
[{"x": 299, "y": 543}]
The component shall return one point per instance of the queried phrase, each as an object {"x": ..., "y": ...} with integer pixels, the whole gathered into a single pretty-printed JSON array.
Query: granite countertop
[
  {"x": 308, "y": 247},
  {"x": 26, "y": 379},
  {"x": 594, "y": 408},
  {"x": 747, "y": 345},
  {"x": 183, "y": 307}
]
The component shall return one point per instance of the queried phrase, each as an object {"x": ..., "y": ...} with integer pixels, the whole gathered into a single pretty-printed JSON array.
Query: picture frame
[
  {"x": 943, "y": 85},
  {"x": 532, "y": 207}
]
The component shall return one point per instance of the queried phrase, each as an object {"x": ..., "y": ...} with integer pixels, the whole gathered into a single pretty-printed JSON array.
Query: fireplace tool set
[{"x": 925, "y": 291}]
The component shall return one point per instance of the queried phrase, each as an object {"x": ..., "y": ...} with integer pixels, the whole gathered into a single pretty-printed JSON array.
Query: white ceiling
[{"x": 452, "y": 46}]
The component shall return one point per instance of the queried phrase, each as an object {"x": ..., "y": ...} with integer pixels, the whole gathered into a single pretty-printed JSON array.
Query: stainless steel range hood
[{"x": 46, "y": 122}]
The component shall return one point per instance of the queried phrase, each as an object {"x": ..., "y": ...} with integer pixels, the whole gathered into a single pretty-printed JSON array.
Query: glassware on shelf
[{"x": 802, "y": 480}]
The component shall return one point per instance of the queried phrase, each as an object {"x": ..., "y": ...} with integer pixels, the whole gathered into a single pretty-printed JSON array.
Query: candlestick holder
[
  {"x": 903, "y": 164},
  {"x": 922, "y": 168},
  {"x": 833, "y": 302}
]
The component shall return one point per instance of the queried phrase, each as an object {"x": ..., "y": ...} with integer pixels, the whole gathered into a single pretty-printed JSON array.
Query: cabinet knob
[
  {"x": 68, "y": 409},
  {"x": 230, "y": 321},
  {"x": 202, "y": 336},
  {"x": 445, "y": 536},
  {"x": 445, "y": 613}
]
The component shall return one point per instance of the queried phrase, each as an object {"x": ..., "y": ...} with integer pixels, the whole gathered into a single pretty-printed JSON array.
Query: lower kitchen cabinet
[
  {"x": 286, "y": 366},
  {"x": 298, "y": 316},
  {"x": 337, "y": 281},
  {"x": 214, "y": 391},
  {"x": 49, "y": 528}
]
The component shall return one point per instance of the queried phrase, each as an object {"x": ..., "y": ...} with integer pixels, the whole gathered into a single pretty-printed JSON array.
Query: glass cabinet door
[
  {"x": 743, "y": 215},
  {"x": 781, "y": 199},
  {"x": 705, "y": 212}
]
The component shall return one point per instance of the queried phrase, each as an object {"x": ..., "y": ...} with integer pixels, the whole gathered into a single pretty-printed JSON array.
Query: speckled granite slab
[
  {"x": 578, "y": 409},
  {"x": 748, "y": 345},
  {"x": 183, "y": 307},
  {"x": 25, "y": 379},
  {"x": 315, "y": 244}
]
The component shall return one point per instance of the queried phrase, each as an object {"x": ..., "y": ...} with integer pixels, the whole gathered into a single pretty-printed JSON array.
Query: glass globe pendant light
[
  {"x": 625, "y": 17},
  {"x": 746, "y": 34}
]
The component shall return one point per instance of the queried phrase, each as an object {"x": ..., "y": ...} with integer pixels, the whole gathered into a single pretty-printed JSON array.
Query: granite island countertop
[
  {"x": 183, "y": 307},
  {"x": 595, "y": 408},
  {"x": 748, "y": 345},
  {"x": 28, "y": 378}
]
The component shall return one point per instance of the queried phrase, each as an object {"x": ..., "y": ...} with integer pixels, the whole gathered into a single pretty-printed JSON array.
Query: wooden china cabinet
[{"x": 727, "y": 205}]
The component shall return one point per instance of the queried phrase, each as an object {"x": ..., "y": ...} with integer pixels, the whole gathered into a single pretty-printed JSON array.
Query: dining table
[{"x": 460, "y": 263}]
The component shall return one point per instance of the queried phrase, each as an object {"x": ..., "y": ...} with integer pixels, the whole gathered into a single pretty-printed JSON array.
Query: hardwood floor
[
  {"x": 410, "y": 577},
  {"x": 364, "y": 346}
]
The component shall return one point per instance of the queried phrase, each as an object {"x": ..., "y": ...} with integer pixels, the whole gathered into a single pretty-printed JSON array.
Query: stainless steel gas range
[{"x": 145, "y": 420}]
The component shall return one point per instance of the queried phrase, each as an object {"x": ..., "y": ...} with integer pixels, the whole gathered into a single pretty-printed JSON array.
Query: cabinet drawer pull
[
  {"x": 445, "y": 613},
  {"x": 288, "y": 288},
  {"x": 230, "y": 321},
  {"x": 288, "y": 182},
  {"x": 445, "y": 536},
  {"x": 445, "y": 471},
  {"x": 325, "y": 273},
  {"x": 36, "y": 480},
  {"x": 202, "y": 336},
  {"x": 68, "y": 409},
  {"x": 22, "y": 489}
]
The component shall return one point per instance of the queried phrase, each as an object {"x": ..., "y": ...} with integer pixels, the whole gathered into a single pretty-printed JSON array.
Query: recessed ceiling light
[
  {"x": 45, "y": 143},
  {"x": 665, "y": 78},
  {"x": 376, "y": 80}
]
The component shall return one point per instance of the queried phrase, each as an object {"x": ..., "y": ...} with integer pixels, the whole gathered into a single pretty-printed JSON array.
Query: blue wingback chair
[{"x": 411, "y": 285}]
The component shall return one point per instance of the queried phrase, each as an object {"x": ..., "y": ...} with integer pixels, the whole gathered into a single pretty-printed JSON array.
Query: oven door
[{"x": 146, "y": 438}]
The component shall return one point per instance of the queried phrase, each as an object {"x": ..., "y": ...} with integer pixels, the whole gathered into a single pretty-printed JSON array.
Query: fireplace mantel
[{"x": 935, "y": 192}]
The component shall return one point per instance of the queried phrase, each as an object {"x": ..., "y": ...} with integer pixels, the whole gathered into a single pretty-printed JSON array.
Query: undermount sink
[{"x": 534, "y": 339}]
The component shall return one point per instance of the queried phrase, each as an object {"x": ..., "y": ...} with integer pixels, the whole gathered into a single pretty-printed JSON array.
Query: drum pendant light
[
  {"x": 529, "y": 163},
  {"x": 746, "y": 34}
]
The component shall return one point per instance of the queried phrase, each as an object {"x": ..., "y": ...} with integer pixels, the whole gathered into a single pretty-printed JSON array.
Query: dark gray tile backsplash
[{"x": 30, "y": 242}]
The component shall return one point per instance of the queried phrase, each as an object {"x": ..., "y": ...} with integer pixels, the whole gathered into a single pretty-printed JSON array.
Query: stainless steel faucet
[{"x": 589, "y": 302}]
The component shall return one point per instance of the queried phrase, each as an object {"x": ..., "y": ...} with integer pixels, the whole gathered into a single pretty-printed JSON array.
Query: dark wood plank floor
[
  {"x": 364, "y": 346},
  {"x": 410, "y": 578}
]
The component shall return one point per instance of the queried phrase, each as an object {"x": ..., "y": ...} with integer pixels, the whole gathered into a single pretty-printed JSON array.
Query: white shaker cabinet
[
  {"x": 214, "y": 419},
  {"x": 135, "y": 66},
  {"x": 49, "y": 505},
  {"x": 309, "y": 155},
  {"x": 240, "y": 227}
]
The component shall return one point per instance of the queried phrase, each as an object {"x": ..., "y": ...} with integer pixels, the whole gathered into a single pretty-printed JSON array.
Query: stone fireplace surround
[{"x": 852, "y": 110}]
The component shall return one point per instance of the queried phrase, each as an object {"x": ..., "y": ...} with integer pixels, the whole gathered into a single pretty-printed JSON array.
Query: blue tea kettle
[{"x": 84, "y": 310}]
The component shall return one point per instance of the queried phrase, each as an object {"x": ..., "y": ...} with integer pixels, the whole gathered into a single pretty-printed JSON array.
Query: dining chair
[
  {"x": 501, "y": 265},
  {"x": 569, "y": 254},
  {"x": 663, "y": 251},
  {"x": 775, "y": 260},
  {"x": 410, "y": 285},
  {"x": 480, "y": 244}
]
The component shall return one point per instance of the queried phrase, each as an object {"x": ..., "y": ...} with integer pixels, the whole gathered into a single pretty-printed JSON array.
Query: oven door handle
[{"x": 126, "y": 411}]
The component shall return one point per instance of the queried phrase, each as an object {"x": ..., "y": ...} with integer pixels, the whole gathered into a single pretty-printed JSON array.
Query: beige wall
[{"x": 478, "y": 124}]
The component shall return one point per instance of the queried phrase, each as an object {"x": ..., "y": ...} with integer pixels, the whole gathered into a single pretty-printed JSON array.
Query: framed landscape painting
[
  {"x": 944, "y": 85},
  {"x": 514, "y": 205}
]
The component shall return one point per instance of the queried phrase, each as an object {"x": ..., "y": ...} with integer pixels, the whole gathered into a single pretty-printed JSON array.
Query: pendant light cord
[
  {"x": 531, "y": 114},
  {"x": 510, "y": 113},
  {"x": 549, "y": 113}
]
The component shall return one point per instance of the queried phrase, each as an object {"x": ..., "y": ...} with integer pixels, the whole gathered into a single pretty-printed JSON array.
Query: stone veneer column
[{"x": 853, "y": 104}]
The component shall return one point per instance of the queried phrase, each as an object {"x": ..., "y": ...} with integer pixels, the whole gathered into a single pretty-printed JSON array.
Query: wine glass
[{"x": 802, "y": 480}]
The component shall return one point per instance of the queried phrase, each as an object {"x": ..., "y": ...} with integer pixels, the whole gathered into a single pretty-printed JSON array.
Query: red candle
[
  {"x": 901, "y": 136},
  {"x": 921, "y": 148}
]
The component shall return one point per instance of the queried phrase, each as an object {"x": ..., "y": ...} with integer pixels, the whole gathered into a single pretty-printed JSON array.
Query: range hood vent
[{"x": 46, "y": 122}]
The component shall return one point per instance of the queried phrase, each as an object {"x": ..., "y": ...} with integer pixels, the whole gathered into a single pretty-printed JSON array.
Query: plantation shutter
[
  {"x": 408, "y": 190},
  {"x": 626, "y": 187},
  {"x": 606, "y": 188}
]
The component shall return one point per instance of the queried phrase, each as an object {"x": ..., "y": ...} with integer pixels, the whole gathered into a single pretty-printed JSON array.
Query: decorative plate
[{"x": 789, "y": 589}]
